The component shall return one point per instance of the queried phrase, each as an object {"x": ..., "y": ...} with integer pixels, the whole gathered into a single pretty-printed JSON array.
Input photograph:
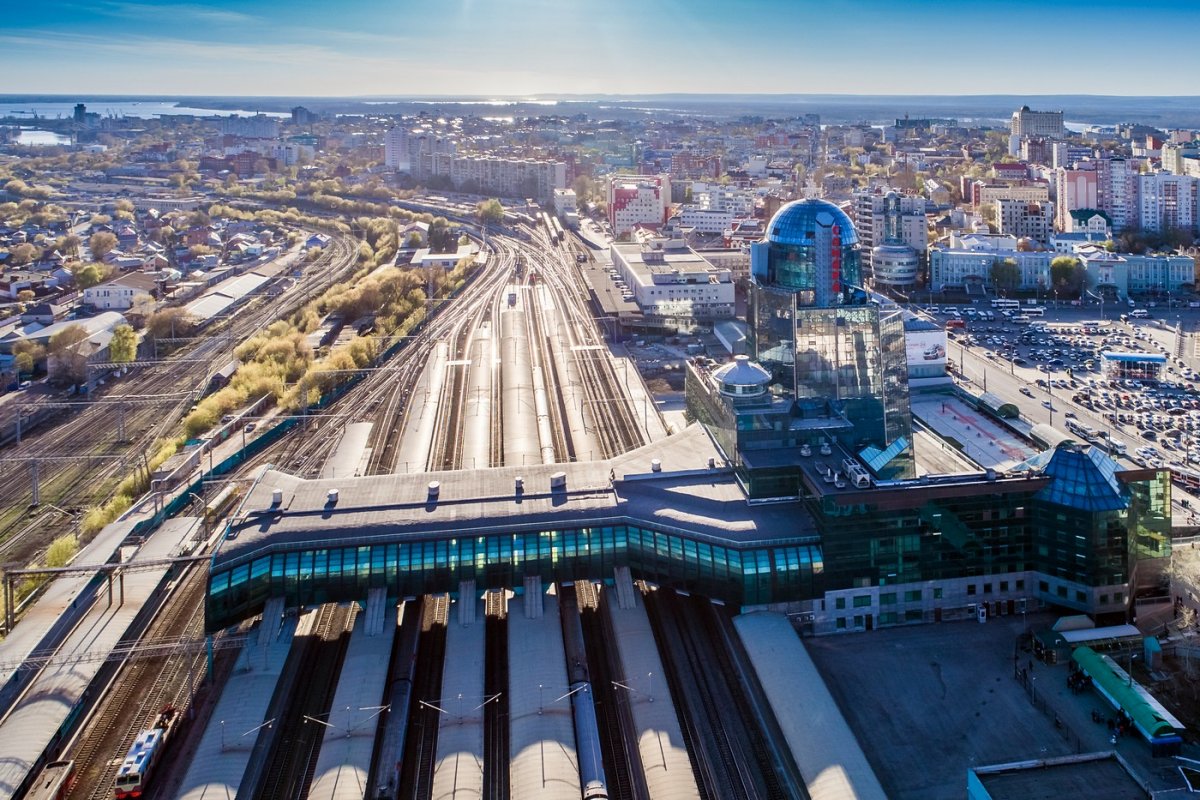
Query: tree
[
  {"x": 22, "y": 254},
  {"x": 62, "y": 550},
  {"x": 1066, "y": 276},
  {"x": 27, "y": 356},
  {"x": 142, "y": 306},
  {"x": 583, "y": 190},
  {"x": 169, "y": 323},
  {"x": 490, "y": 211},
  {"x": 89, "y": 275},
  {"x": 122, "y": 349},
  {"x": 101, "y": 244},
  {"x": 26, "y": 296},
  {"x": 71, "y": 244},
  {"x": 68, "y": 351},
  {"x": 1005, "y": 274}
]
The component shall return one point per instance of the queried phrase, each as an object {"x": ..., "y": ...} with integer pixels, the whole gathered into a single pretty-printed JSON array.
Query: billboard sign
[{"x": 927, "y": 348}]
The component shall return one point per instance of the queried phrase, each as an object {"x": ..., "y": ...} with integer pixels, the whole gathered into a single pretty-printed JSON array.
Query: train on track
[
  {"x": 587, "y": 728},
  {"x": 216, "y": 508},
  {"x": 138, "y": 767}
]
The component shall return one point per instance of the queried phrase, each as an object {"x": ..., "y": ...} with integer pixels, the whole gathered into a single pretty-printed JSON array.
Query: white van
[{"x": 1139, "y": 313}]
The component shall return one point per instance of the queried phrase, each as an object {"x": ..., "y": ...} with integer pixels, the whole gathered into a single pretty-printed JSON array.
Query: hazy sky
[{"x": 524, "y": 47}]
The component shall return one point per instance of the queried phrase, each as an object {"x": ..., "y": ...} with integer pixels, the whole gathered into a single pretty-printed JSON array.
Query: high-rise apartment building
[
  {"x": 1075, "y": 189},
  {"x": 1116, "y": 192},
  {"x": 396, "y": 152},
  {"x": 259, "y": 126},
  {"x": 1038, "y": 123},
  {"x": 1167, "y": 201}
]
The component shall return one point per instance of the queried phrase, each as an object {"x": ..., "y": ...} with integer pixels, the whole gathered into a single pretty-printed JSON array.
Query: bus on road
[
  {"x": 1002, "y": 303},
  {"x": 1034, "y": 311}
]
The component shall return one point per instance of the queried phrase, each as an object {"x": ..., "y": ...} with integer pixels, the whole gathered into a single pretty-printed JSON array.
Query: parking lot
[{"x": 1056, "y": 360}]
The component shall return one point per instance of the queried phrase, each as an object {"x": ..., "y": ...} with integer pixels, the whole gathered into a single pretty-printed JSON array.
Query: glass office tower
[{"x": 814, "y": 328}]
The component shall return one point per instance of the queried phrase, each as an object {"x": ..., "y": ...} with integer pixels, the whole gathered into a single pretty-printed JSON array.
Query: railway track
[
  {"x": 495, "y": 690},
  {"x": 293, "y": 757},
  {"x": 420, "y": 747},
  {"x": 617, "y": 735},
  {"x": 736, "y": 760},
  {"x": 140, "y": 689},
  {"x": 616, "y": 422},
  {"x": 79, "y": 459}
]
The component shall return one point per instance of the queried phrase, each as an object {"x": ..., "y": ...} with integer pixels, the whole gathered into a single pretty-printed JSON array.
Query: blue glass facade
[
  {"x": 811, "y": 249},
  {"x": 751, "y": 575}
]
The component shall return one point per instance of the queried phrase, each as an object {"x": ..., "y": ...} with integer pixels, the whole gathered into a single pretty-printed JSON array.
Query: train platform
[
  {"x": 224, "y": 751},
  {"x": 985, "y": 441},
  {"x": 47, "y": 621},
  {"x": 664, "y": 756},
  {"x": 543, "y": 764},
  {"x": 35, "y": 721},
  {"x": 458, "y": 765},
  {"x": 645, "y": 410},
  {"x": 352, "y": 452},
  {"x": 344, "y": 760},
  {"x": 825, "y": 749},
  {"x": 420, "y": 416}
]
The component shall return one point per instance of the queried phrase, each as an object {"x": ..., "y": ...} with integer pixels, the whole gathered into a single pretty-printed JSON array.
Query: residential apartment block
[
  {"x": 637, "y": 200},
  {"x": 1025, "y": 220}
]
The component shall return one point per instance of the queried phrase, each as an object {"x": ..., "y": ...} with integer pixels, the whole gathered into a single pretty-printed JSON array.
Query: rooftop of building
[
  {"x": 685, "y": 494},
  {"x": 669, "y": 260},
  {"x": 1099, "y": 776}
]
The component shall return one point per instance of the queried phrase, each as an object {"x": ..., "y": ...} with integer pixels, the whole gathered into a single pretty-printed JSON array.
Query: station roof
[
  {"x": 686, "y": 495},
  {"x": 1150, "y": 358}
]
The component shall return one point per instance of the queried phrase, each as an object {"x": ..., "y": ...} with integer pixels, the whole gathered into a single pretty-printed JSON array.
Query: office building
[
  {"x": 671, "y": 281},
  {"x": 894, "y": 236},
  {"x": 1120, "y": 275},
  {"x": 1048, "y": 124},
  {"x": 967, "y": 264},
  {"x": 813, "y": 326}
]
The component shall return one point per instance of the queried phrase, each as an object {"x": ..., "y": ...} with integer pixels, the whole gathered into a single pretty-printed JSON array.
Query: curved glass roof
[{"x": 797, "y": 222}]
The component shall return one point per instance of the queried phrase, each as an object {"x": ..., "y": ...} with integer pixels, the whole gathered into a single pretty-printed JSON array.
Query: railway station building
[{"x": 798, "y": 489}]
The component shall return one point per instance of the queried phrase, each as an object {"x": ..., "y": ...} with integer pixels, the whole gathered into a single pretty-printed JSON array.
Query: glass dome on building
[
  {"x": 742, "y": 378},
  {"x": 812, "y": 248}
]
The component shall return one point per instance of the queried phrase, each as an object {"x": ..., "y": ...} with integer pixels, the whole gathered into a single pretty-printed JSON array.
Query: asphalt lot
[{"x": 928, "y": 702}]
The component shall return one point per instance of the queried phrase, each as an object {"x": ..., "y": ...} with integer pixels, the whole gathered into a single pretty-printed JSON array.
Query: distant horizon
[
  {"x": 535, "y": 96},
  {"x": 988, "y": 110}
]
